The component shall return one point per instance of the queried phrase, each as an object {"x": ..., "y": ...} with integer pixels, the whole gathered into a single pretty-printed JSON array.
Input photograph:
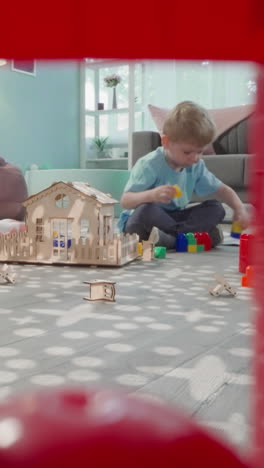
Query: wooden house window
[
  {"x": 39, "y": 230},
  {"x": 62, "y": 200},
  {"x": 107, "y": 228},
  {"x": 84, "y": 230}
]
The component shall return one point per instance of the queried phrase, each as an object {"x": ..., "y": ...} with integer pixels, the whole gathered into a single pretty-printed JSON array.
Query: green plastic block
[
  {"x": 200, "y": 248},
  {"x": 190, "y": 238},
  {"x": 160, "y": 252}
]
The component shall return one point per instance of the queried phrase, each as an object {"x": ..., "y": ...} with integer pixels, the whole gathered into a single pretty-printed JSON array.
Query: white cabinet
[{"x": 102, "y": 118}]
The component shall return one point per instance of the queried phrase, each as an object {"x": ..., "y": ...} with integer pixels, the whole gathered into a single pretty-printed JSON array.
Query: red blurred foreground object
[{"x": 102, "y": 428}]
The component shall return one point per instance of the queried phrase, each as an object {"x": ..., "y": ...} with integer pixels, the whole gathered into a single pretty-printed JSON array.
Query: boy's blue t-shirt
[{"x": 153, "y": 170}]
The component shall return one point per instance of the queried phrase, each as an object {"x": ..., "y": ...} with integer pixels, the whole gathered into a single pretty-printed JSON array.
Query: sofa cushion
[
  {"x": 248, "y": 171},
  {"x": 234, "y": 140},
  {"x": 229, "y": 168},
  {"x": 224, "y": 119},
  {"x": 143, "y": 142}
]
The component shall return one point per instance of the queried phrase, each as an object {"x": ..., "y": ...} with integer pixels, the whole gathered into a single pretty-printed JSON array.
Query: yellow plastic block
[
  {"x": 236, "y": 227},
  {"x": 140, "y": 248},
  {"x": 178, "y": 192},
  {"x": 192, "y": 248}
]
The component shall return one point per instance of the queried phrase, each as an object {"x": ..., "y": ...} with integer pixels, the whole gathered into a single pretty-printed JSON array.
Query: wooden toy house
[{"x": 69, "y": 222}]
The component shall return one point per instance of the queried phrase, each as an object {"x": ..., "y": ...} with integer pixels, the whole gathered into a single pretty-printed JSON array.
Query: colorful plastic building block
[
  {"x": 178, "y": 192},
  {"x": 245, "y": 248},
  {"x": 199, "y": 240},
  {"x": 193, "y": 242},
  {"x": 191, "y": 238},
  {"x": 160, "y": 252},
  {"x": 181, "y": 243},
  {"x": 236, "y": 230},
  {"x": 248, "y": 279},
  {"x": 206, "y": 240},
  {"x": 192, "y": 248}
]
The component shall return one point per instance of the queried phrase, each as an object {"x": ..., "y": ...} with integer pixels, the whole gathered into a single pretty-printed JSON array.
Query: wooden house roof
[{"x": 80, "y": 187}]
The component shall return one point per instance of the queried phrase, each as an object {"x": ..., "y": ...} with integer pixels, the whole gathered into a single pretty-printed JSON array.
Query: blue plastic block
[
  {"x": 236, "y": 235},
  {"x": 181, "y": 243}
]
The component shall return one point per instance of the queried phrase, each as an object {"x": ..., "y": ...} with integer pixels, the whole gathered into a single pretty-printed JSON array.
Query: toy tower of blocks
[
  {"x": 193, "y": 242},
  {"x": 236, "y": 230}
]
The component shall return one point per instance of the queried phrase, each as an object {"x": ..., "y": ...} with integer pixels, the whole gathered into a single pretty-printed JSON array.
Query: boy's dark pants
[{"x": 199, "y": 218}]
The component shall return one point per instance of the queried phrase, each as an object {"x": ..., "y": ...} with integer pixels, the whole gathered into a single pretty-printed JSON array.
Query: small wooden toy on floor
[
  {"x": 222, "y": 284},
  {"x": 148, "y": 251},
  {"x": 101, "y": 290},
  {"x": 148, "y": 245},
  {"x": 7, "y": 274}
]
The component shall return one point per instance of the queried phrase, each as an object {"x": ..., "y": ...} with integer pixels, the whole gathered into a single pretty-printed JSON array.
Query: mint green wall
[{"x": 39, "y": 116}]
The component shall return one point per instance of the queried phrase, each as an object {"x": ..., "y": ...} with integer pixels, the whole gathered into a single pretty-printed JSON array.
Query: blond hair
[{"x": 189, "y": 122}]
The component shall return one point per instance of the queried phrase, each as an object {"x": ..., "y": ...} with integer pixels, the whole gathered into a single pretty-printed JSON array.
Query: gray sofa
[{"x": 229, "y": 164}]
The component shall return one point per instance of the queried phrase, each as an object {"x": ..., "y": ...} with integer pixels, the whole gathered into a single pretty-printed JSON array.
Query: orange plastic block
[
  {"x": 178, "y": 192},
  {"x": 248, "y": 279}
]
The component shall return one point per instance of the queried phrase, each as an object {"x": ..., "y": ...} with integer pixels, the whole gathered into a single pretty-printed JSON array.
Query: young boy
[{"x": 149, "y": 195}]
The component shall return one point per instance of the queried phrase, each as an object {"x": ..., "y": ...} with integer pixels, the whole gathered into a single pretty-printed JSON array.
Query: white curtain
[{"x": 209, "y": 83}]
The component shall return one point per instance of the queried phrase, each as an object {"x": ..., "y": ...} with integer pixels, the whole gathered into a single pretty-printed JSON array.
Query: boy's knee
[
  {"x": 218, "y": 209},
  {"x": 145, "y": 209}
]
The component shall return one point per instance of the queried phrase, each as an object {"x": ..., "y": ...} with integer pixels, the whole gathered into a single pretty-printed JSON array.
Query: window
[
  {"x": 62, "y": 201},
  {"x": 213, "y": 84},
  {"x": 39, "y": 230},
  {"x": 84, "y": 230},
  {"x": 104, "y": 119}
]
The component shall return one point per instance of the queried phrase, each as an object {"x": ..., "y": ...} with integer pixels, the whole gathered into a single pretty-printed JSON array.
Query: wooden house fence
[
  {"x": 20, "y": 248},
  {"x": 122, "y": 249},
  {"x": 16, "y": 246}
]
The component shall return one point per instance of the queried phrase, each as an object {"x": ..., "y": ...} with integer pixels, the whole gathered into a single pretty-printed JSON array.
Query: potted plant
[
  {"x": 100, "y": 144},
  {"x": 112, "y": 81}
]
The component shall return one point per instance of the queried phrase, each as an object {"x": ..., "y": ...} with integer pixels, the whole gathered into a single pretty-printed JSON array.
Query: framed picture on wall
[{"x": 24, "y": 66}]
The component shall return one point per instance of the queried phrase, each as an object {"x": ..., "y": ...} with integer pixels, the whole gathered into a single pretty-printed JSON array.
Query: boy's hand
[
  {"x": 163, "y": 193},
  {"x": 242, "y": 217}
]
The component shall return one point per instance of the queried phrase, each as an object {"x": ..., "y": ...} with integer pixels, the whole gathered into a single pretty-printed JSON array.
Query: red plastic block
[
  {"x": 245, "y": 249},
  {"x": 248, "y": 279}
]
